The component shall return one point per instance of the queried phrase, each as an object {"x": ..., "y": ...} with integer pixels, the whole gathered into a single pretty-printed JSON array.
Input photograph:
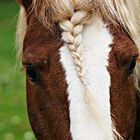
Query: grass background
[{"x": 14, "y": 124}]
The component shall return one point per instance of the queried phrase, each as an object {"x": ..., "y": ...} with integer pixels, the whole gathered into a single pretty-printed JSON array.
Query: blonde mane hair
[
  {"x": 21, "y": 31},
  {"x": 73, "y": 15}
]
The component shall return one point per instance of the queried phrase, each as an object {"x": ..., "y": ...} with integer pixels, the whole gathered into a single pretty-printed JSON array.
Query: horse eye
[
  {"x": 32, "y": 74},
  {"x": 131, "y": 66}
]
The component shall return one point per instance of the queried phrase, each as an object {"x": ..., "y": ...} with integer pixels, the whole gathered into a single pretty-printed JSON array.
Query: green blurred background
[{"x": 14, "y": 124}]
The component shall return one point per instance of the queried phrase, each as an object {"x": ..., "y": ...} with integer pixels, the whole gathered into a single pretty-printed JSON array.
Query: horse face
[{"x": 47, "y": 84}]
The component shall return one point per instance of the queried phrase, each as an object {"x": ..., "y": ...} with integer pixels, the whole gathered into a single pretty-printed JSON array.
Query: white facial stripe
[{"x": 96, "y": 40}]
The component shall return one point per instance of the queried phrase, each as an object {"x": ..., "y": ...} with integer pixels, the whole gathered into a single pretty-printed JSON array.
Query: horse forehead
[
  {"x": 40, "y": 44},
  {"x": 95, "y": 36}
]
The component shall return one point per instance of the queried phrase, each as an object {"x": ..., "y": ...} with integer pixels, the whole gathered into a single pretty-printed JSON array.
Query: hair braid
[{"x": 71, "y": 35}]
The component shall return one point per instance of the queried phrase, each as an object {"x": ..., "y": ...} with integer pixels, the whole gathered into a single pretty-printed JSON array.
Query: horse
[{"x": 81, "y": 59}]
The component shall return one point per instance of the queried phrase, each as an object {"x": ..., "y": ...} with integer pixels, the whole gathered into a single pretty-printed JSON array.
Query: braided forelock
[{"x": 71, "y": 35}]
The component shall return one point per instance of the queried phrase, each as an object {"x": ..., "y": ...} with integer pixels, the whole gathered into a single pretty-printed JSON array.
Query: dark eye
[
  {"x": 32, "y": 73},
  {"x": 131, "y": 66}
]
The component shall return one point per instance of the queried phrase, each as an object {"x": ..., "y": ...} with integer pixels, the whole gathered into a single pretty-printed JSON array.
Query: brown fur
[
  {"x": 137, "y": 126},
  {"x": 123, "y": 95},
  {"x": 47, "y": 101}
]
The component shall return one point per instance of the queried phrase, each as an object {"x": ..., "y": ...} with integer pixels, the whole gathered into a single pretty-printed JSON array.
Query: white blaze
[{"x": 83, "y": 126}]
